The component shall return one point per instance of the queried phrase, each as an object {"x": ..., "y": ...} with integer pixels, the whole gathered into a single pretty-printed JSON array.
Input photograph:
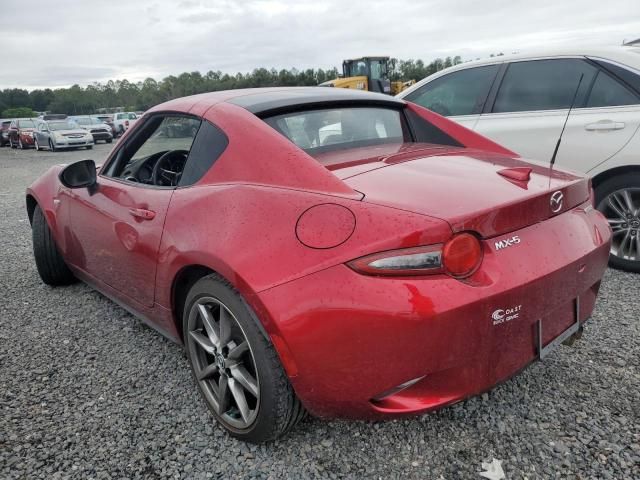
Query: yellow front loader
[{"x": 368, "y": 73}]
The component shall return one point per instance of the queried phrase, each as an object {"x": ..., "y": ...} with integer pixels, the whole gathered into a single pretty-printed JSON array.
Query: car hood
[
  {"x": 472, "y": 190},
  {"x": 73, "y": 131}
]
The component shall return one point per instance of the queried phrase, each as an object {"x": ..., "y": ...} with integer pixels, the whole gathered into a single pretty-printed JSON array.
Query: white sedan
[{"x": 521, "y": 101}]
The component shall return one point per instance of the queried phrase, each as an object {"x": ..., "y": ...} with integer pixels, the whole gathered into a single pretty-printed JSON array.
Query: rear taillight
[
  {"x": 407, "y": 261},
  {"x": 459, "y": 257},
  {"x": 462, "y": 255}
]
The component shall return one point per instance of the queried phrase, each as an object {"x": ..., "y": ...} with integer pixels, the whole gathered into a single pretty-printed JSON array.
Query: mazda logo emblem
[{"x": 556, "y": 201}]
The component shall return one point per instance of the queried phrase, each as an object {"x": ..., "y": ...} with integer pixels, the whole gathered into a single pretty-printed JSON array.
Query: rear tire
[
  {"x": 273, "y": 410},
  {"x": 618, "y": 198},
  {"x": 51, "y": 266}
]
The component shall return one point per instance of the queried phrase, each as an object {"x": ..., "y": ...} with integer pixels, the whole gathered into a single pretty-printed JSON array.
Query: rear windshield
[{"x": 316, "y": 131}]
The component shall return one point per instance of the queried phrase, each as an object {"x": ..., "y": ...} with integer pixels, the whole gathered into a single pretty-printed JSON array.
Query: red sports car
[{"x": 326, "y": 250}]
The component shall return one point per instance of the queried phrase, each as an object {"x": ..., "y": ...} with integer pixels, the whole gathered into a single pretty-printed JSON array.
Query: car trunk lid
[{"x": 479, "y": 191}]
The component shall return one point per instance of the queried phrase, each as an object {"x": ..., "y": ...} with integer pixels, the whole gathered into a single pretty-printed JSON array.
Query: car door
[
  {"x": 13, "y": 132},
  {"x": 605, "y": 123},
  {"x": 528, "y": 110},
  {"x": 459, "y": 95},
  {"x": 117, "y": 228},
  {"x": 41, "y": 136}
]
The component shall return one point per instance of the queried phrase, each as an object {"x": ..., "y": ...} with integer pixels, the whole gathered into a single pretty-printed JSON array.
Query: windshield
[
  {"x": 53, "y": 126},
  {"x": 84, "y": 121},
  {"x": 26, "y": 124},
  {"x": 378, "y": 70},
  {"x": 317, "y": 131}
]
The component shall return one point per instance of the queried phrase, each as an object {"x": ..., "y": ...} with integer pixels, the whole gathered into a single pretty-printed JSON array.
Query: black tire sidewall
[
  {"x": 602, "y": 191},
  {"x": 49, "y": 262}
]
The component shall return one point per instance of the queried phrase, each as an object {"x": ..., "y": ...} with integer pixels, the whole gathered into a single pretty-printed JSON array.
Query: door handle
[
  {"x": 142, "y": 213},
  {"x": 604, "y": 125}
]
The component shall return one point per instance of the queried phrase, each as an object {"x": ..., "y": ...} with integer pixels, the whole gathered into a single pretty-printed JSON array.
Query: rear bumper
[{"x": 347, "y": 340}]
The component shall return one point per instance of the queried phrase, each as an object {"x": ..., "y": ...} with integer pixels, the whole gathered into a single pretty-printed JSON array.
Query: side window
[
  {"x": 209, "y": 144},
  {"x": 543, "y": 85},
  {"x": 151, "y": 157},
  {"x": 607, "y": 92},
  {"x": 459, "y": 93}
]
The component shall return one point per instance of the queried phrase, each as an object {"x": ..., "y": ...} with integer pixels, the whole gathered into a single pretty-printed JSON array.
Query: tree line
[{"x": 77, "y": 100}]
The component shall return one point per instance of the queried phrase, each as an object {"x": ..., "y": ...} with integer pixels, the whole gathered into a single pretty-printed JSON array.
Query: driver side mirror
[{"x": 80, "y": 174}]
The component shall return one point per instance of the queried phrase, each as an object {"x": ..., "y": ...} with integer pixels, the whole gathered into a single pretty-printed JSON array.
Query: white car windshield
[{"x": 53, "y": 126}]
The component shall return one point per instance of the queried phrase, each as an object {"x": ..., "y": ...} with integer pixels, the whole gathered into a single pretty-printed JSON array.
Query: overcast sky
[{"x": 56, "y": 43}]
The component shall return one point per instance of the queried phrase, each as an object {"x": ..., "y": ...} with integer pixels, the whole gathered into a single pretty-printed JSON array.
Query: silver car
[
  {"x": 61, "y": 134},
  {"x": 99, "y": 129}
]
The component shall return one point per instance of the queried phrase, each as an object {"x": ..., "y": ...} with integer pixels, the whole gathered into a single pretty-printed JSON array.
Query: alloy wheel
[
  {"x": 223, "y": 363},
  {"x": 622, "y": 209}
]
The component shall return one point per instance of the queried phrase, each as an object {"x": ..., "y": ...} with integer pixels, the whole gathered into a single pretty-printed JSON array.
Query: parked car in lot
[
  {"x": 108, "y": 120},
  {"x": 21, "y": 133},
  {"x": 61, "y": 134},
  {"x": 180, "y": 127},
  {"x": 123, "y": 120},
  {"x": 521, "y": 101},
  {"x": 99, "y": 130},
  {"x": 395, "y": 265},
  {"x": 4, "y": 132}
]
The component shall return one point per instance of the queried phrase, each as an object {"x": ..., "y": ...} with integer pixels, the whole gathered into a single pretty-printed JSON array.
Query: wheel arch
[
  {"x": 188, "y": 275},
  {"x": 185, "y": 278},
  {"x": 605, "y": 175},
  {"x": 32, "y": 203},
  {"x": 182, "y": 283}
]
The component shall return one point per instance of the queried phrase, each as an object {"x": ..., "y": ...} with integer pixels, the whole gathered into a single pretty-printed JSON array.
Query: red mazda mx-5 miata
[{"x": 326, "y": 250}]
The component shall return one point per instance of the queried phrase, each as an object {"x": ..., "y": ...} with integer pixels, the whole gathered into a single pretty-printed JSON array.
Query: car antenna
[{"x": 573, "y": 102}]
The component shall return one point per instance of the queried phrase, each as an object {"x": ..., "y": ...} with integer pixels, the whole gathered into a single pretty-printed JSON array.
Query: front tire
[
  {"x": 235, "y": 366},
  {"x": 52, "y": 147},
  {"x": 51, "y": 266},
  {"x": 618, "y": 198}
]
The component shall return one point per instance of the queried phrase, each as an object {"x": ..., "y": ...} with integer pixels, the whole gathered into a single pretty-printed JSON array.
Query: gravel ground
[{"x": 87, "y": 391}]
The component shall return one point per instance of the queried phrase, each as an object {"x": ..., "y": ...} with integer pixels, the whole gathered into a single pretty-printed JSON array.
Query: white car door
[
  {"x": 609, "y": 119},
  {"x": 532, "y": 103},
  {"x": 459, "y": 95}
]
